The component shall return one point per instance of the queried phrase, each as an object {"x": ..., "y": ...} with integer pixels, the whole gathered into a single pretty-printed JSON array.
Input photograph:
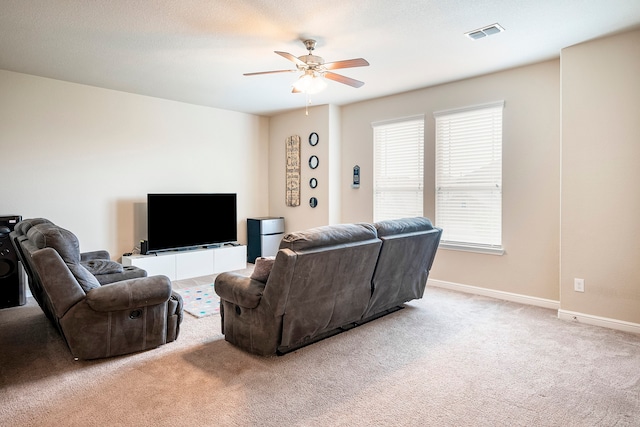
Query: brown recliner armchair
[{"x": 96, "y": 320}]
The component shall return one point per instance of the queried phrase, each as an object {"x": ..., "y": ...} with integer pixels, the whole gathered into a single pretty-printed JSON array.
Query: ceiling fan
[{"x": 314, "y": 68}]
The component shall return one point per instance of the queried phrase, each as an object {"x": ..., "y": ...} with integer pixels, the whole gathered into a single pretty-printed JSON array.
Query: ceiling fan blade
[
  {"x": 269, "y": 72},
  {"x": 343, "y": 79},
  {"x": 292, "y": 58},
  {"x": 348, "y": 63}
]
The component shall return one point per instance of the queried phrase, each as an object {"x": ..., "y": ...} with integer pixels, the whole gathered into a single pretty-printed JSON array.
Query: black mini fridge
[{"x": 263, "y": 237}]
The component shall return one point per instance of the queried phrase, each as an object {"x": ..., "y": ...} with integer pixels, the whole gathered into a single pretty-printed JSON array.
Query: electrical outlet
[{"x": 578, "y": 285}]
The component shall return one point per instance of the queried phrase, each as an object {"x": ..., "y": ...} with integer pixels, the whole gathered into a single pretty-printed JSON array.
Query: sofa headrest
[
  {"x": 23, "y": 226},
  {"x": 402, "y": 226},
  {"x": 48, "y": 235},
  {"x": 328, "y": 235}
]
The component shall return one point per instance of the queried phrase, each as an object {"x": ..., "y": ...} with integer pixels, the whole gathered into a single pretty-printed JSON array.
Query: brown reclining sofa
[{"x": 326, "y": 280}]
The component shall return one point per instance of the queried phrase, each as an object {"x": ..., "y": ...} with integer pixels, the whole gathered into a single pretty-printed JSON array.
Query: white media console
[{"x": 178, "y": 265}]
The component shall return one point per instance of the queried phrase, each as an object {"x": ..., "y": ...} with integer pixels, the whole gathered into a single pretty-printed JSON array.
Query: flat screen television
[{"x": 187, "y": 221}]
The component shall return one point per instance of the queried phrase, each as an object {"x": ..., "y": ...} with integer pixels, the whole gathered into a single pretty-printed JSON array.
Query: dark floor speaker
[{"x": 12, "y": 289}]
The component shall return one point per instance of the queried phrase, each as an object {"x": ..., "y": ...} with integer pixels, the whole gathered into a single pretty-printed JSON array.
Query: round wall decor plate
[
  {"x": 314, "y": 139},
  {"x": 313, "y": 162}
]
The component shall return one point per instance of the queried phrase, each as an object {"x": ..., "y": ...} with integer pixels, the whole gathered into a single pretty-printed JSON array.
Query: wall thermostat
[{"x": 356, "y": 177}]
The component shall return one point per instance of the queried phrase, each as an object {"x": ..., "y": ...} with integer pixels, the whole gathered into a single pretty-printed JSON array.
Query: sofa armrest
[
  {"x": 132, "y": 293},
  {"x": 88, "y": 256},
  {"x": 239, "y": 289}
]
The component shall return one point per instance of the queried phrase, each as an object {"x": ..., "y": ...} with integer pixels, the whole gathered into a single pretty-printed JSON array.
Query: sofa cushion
[
  {"x": 402, "y": 226},
  {"x": 52, "y": 236},
  {"x": 328, "y": 235},
  {"x": 86, "y": 280},
  {"x": 262, "y": 268},
  {"x": 102, "y": 266},
  {"x": 23, "y": 226},
  {"x": 128, "y": 272}
]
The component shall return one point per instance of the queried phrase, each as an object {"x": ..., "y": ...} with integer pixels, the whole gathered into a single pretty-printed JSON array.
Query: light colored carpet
[{"x": 450, "y": 359}]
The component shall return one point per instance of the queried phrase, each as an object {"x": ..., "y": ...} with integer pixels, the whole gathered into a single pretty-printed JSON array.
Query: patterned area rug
[{"x": 200, "y": 301}]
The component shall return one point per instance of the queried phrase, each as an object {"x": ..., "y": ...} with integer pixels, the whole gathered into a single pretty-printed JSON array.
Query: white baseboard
[
  {"x": 507, "y": 296},
  {"x": 605, "y": 322},
  {"x": 572, "y": 316}
]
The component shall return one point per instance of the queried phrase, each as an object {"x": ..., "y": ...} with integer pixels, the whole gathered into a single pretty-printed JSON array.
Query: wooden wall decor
[{"x": 292, "y": 196}]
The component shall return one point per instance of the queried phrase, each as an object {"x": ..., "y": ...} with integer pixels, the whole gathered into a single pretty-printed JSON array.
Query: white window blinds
[
  {"x": 398, "y": 175},
  {"x": 469, "y": 175}
]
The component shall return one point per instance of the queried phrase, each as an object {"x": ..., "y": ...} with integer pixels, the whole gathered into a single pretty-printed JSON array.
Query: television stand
[{"x": 178, "y": 265}]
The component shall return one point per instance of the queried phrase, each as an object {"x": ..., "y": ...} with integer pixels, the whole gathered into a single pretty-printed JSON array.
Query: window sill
[{"x": 472, "y": 248}]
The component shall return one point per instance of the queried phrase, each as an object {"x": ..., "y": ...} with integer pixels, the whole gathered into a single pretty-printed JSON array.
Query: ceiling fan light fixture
[
  {"x": 309, "y": 83},
  {"x": 315, "y": 70}
]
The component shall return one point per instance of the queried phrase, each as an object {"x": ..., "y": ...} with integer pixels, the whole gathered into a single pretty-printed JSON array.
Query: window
[
  {"x": 398, "y": 177},
  {"x": 469, "y": 177}
]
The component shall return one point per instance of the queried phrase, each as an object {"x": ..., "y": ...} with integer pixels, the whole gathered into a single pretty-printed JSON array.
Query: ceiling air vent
[{"x": 484, "y": 32}]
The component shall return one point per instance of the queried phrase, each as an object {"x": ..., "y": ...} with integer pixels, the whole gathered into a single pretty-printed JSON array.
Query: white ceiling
[{"x": 196, "y": 51}]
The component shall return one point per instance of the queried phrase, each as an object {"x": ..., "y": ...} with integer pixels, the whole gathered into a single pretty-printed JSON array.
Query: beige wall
[
  {"x": 323, "y": 121},
  {"x": 336, "y": 177},
  {"x": 601, "y": 176},
  {"x": 84, "y": 156},
  {"x": 531, "y": 173}
]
